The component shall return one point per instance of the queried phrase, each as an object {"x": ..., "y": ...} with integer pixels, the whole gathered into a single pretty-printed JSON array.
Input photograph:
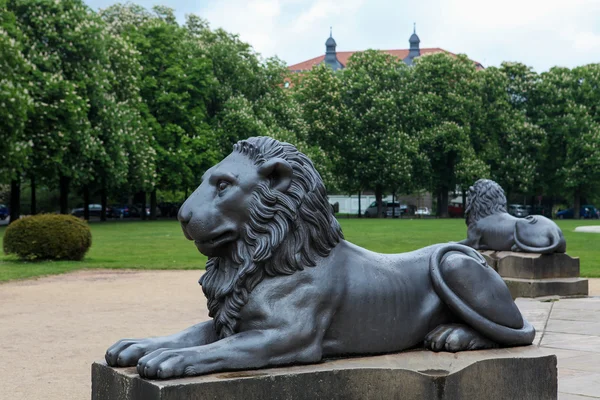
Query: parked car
[
  {"x": 518, "y": 210},
  {"x": 423, "y": 211},
  {"x": 456, "y": 210},
  {"x": 4, "y": 212},
  {"x": 586, "y": 211},
  {"x": 395, "y": 210},
  {"x": 125, "y": 211},
  {"x": 371, "y": 211},
  {"x": 95, "y": 211}
]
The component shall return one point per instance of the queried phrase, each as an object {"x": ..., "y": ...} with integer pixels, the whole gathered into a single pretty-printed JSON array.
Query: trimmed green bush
[{"x": 48, "y": 237}]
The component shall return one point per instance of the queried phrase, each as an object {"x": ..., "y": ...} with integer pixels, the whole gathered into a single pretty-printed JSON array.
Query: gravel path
[{"x": 53, "y": 328}]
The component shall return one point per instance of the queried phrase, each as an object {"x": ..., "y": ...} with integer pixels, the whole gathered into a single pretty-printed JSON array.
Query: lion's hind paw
[{"x": 456, "y": 337}]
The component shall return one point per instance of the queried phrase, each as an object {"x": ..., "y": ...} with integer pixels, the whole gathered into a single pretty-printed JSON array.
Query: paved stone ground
[{"x": 53, "y": 328}]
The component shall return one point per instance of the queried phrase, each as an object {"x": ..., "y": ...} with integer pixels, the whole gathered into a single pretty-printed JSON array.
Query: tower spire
[{"x": 330, "y": 53}]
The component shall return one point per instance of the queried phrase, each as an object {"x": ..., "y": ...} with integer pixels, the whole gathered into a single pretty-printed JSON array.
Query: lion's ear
[{"x": 280, "y": 173}]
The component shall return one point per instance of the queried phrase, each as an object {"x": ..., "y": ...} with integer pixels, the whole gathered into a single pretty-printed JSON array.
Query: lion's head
[
  {"x": 262, "y": 211},
  {"x": 485, "y": 198}
]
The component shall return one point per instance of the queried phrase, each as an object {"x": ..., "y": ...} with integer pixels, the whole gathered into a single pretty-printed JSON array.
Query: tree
[
  {"x": 85, "y": 97},
  {"x": 175, "y": 82},
  {"x": 15, "y": 103},
  {"x": 445, "y": 114},
  {"x": 374, "y": 87},
  {"x": 510, "y": 143},
  {"x": 573, "y": 163}
]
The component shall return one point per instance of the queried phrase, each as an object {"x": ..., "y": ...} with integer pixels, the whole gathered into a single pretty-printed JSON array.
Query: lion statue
[
  {"x": 490, "y": 227},
  {"x": 284, "y": 287}
]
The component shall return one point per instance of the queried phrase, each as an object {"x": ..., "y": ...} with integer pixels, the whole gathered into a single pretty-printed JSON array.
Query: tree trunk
[
  {"x": 33, "y": 199},
  {"x": 438, "y": 201},
  {"x": 103, "y": 202},
  {"x": 378, "y": 196},
  {"x": 86, "y": 203},
  {"x": 359, "y": 210},
  {"x": 15, "y": 200},
  {"x": 153, "y": 205},
  {"x": 143, "y": 210},
  {"x": 464, "y": 200},
  {"x": 576, "y": 203},
  {"x": 64, "y": 194},
  {"x": 443, "y": 206}
]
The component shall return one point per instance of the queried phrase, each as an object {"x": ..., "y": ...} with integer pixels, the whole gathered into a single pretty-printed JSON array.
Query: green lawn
[{"x": 161, "y": 245}]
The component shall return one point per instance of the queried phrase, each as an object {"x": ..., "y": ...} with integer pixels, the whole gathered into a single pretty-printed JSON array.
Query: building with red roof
[{"x": 339, "y": 59}]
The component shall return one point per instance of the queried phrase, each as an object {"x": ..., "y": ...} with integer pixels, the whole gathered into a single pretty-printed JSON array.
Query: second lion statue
[
  {"x": 284, "y": 287},
  {"x": 490, "y": 227}
]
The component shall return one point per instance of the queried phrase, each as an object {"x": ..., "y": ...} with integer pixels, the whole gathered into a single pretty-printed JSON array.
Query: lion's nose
[{"x": 184, "y": 215}]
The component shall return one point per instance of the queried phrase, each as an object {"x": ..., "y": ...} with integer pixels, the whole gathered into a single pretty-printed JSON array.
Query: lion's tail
[
  {"x": 476, "y": 294},
  {"x": 558, "y": 244}
]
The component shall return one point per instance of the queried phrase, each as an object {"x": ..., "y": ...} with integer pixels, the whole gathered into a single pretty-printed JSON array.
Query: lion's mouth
[{"x": 217, "y": 240}]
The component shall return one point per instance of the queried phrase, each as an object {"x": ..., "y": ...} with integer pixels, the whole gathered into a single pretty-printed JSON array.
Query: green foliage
[
  {"x": 510, "y": 142},
  {"x": 15, "y": 99},
  {"x": 48, "y": 237},
  {"x": 85, "y": 123},
  {"x": 353, "y": 115}
]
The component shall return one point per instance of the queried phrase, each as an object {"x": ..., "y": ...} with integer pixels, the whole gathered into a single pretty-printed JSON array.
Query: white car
[{"x": 422, "y": 211}]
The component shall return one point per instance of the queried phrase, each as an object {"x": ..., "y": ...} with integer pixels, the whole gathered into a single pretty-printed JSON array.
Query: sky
[{"x": 539, "y": 33}]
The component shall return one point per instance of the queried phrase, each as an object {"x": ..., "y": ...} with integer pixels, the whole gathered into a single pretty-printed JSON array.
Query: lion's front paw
[
  {"x": 456, "y": 337},
  {"x": 127, "y": 352},
  {"x": 165, "y": 364}
]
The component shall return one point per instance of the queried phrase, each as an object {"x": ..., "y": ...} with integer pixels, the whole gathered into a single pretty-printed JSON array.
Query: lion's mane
[
  {"x": 485, "y": 198},
  {"x": 286, "y": 232}
]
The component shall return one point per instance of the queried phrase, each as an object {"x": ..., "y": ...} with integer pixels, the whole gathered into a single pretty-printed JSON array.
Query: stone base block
[
  {"x": 536, "y": 266},
  {"x": 514, "y": 373},
  {"x": 547, "y": 287}
]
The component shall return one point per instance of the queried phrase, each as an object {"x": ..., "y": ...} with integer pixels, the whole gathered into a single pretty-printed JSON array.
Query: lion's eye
[{"x": 222, "y": 185}]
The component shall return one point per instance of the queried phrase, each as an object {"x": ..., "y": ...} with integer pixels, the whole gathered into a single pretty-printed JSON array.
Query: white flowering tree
[
  {"x": 175, "y": 81},
  {"x": 355, "y": 116},
  {"x": 565, "y": 112},
  {"x": 446, "y": 107},
  {"x": 510, "y": 143},
  {"x": 86, "y": 119},
  {"x": 15, "y": 102}
]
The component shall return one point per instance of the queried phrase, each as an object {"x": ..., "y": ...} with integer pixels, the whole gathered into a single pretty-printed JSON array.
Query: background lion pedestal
[{"x": 538, "y": 275}]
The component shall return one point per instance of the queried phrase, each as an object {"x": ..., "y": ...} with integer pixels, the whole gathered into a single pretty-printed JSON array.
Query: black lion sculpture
[
  {"x": 490, "y": 227},
  {"x": 284, "y": 287}
]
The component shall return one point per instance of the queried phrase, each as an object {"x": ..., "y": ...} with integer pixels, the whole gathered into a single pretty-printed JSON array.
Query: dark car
[
  {"x": 4, "y": 212},
  {"x": 125, "y": 211},
  {"x": 456, "y": 210},
  {"x": 586, "y": 211},
  {"x": 95, "y": 211}
]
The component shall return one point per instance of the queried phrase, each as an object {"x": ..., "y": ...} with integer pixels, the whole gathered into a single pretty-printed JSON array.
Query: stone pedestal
[
  {"x": 514, "y": 373},
  {"x": 538, "y": 275}
]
